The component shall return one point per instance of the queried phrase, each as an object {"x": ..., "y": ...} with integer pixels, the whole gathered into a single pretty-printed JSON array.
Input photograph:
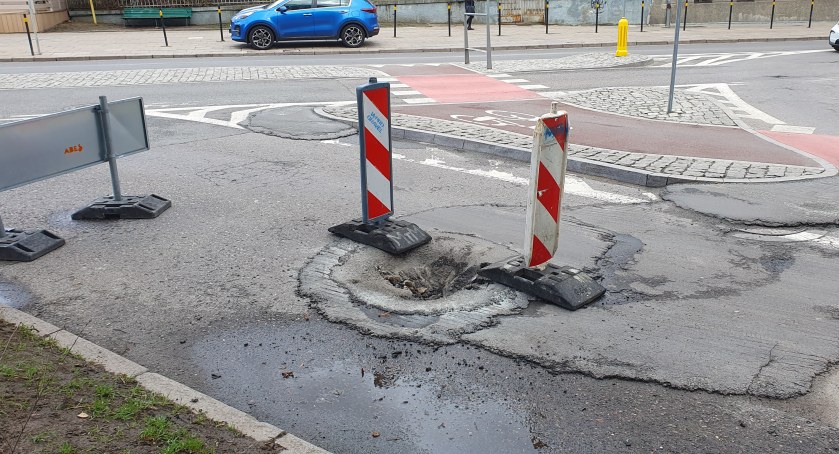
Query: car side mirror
[{"x": 282, "y": 9}]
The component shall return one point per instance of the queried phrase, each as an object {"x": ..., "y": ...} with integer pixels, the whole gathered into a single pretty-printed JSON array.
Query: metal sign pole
[
  {"x": 489, "y": 45},
  {"x": 465, "y": 42},
  {"x": 675, "y": 58},
  {"x": 105, "y": 131},
  {"x": 34, "y": 25}
]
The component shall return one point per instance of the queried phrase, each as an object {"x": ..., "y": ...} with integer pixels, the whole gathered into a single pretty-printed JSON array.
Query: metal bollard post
[
  {"x": 547, "y": 3},
  {"x": 685, "y": 22},
  {"x": 450, "y": 19},
  {"x": 772, "y": 16},
  {"x": 28, "y": 35},
  {"x": 596, "y": 17},
  {"x": 810, "y": 22},
  {"x": 220, "y": 29},
  {"x": 499, "y": 19},
  {"x": 730, "y": 11},
  {"x": 163, "y": 26},
  {"x": 394, "y": 21},
  {"x": 106, "y": 142},
  {"x": 642, "y": 16}
]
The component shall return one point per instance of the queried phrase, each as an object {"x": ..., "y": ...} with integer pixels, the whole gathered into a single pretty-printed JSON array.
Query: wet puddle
[{"x": 349, "y": 393}]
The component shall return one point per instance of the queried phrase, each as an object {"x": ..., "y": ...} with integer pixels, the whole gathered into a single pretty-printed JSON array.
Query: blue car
[{"x": 351, "y": 21}]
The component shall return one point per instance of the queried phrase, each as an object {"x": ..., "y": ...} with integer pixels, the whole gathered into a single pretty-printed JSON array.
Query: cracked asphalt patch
[
  {"x": 795, "y": 203},
  {"x": 716, "y": 313},
  {"x": 298, "y": 123}
]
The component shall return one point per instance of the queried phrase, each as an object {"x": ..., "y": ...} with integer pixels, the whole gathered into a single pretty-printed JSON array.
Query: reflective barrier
[{"x": 55, "y": 144}]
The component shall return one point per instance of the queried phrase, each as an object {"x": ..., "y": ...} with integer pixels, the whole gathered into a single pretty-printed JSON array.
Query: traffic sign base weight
[
  {"x": 393, "y": 237},
  {"x": 565, "y": 286},
  {"x": 130, "y": 207},
  {"x": 20, "y": 246}
]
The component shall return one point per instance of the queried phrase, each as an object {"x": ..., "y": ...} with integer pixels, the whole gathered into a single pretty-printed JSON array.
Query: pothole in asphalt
[
  {"x": 438, "y": 279},
  {"x": 432, "y": 294},
  {"x": 296, "y": 122},
  {"x": 434, "y": 279}
]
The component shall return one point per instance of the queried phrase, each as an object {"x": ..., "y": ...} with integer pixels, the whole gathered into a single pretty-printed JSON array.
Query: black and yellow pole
[
  {"x": 220, "y": 29},
  {"x": 547, "y": 4},
  {"x": 812, "y": 3},
  {"x": 394, "y": 21},
  {"x": 596, "y": 16},
  {"x": 450, "y": 19},
  {"x": 772, "y": 16},
  {"x": 28, "y": 36},
  {"x": 642, "y": 16},
  {"x": 685, "y": 22},
  {"x": 730, "y": 12},
  {"x": 499, "y": 18},
  {"x": 163, "y": 26}
]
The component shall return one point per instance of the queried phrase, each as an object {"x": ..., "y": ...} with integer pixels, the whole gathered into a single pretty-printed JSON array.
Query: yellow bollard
[{"x": 623, "y": 31}]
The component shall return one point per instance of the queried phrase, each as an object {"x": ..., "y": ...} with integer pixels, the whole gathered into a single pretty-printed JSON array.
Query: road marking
[
  {"x": 722, "y": 92},
  {"x": 573, "y": 185},
  {"x": 716, "y": 59},
  {"x": 240, "y": 114},
  {"x": 419, "y": 100},
  {"x": 793, "y": 129}
]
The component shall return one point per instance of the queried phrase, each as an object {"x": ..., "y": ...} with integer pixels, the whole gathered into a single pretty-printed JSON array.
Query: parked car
[
  {"x": 833, "y": 39},
  {"x": 351, "y": 21}
]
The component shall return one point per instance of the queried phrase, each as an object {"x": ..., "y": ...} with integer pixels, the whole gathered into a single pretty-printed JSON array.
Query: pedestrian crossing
[{"x": 405, "y": 93}]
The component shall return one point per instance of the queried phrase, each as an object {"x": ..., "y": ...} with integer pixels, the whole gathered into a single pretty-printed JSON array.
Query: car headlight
[{"x": 241, "y": 16}]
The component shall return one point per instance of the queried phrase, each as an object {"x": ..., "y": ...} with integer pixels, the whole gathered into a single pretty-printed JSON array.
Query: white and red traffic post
[
  {"x": 547, "y": 184},
  {"x": 376, "y": 151},
  {"x": 375, "y": 228},
  {"x": 565, "y": 286}
]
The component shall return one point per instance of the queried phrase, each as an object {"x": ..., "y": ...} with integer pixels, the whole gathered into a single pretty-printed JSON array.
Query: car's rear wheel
[
  {"x": 353, "y": 35},
  {"x": 261, "y": 37}
]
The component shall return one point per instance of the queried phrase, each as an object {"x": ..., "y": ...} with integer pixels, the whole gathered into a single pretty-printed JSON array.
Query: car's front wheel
[
  {"x": 261, "y": 37},
  {"x": 836, "y": 48},
  {"x": 353, "y": 35}
]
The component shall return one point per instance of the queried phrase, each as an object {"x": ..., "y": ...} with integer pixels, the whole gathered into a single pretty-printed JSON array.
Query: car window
[
  {"x": 298, "y": 4},
  {"x": 329, "y": 3}
]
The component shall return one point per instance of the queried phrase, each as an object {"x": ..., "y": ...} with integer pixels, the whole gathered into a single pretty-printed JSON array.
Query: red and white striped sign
[
  {"x": 547, "y": 183},
  {"x": 377, "y": 183}
]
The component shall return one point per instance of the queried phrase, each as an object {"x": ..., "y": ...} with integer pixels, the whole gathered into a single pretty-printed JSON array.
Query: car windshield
[{"x": 274, "y": 5}]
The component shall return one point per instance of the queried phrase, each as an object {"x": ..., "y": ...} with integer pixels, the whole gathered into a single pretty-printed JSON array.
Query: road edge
[{"x": 176, "y": 392}]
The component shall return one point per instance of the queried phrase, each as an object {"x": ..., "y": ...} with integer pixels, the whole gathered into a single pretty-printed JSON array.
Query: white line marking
[
  {"x": 405, "y": 92},
  {"x": 573, "y": 185},
  {"x": 533, "y": 87},
  {"x": 499, "y": 75},
  {"x": 793, "y": 129},
  {"x": 419, "y": 100},
  {"x": 392, "y": 86},
  {"x": 515, "y": 81}
]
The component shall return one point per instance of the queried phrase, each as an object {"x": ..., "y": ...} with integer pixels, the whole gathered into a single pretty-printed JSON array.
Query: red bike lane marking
[
  {"x": 617, "y": 132},
  {"x": 825, "y": 147},
  {"x": 466, "y": 88}
]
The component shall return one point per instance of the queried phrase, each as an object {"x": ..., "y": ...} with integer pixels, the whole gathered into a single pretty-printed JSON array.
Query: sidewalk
[{"x": 109, "y": 42}]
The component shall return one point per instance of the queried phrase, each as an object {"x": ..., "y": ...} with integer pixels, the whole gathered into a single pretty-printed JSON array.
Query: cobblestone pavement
[
  {"x": 592, "y": 60},
  {"x": 689, "y": 168},
  {"x": 178, "y": 75},
  {"x": 651, "y": 103}
]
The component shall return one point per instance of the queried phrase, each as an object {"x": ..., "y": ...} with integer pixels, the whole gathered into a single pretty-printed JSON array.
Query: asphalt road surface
[{"x": 719, "y": 331}]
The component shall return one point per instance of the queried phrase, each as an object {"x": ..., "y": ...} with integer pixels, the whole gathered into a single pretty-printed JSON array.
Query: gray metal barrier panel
[{"x": 42, "y": 147}]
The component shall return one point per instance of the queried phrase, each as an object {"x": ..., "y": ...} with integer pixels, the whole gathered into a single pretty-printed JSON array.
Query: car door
[
  {"x": 329, "y": 16},
  {"x": 294, "y": 19}
]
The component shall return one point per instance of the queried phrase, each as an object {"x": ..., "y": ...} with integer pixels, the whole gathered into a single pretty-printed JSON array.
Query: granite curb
[
  {"x": 403, "y": 50},
  {"x": 172, "y": 390},
  {"x": 575, "y": 164}
]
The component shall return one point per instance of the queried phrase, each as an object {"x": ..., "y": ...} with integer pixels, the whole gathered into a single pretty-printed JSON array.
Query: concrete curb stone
[{"x": 174, "y": 391}]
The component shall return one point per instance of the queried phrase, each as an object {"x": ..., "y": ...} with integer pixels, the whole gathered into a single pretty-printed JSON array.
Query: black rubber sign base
[
  {"x": 20, "y": 246},
  {"x": 393, "y": 237},
  {"x": 564, "y": 286},
  {"x": 130, "y": 207}
]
